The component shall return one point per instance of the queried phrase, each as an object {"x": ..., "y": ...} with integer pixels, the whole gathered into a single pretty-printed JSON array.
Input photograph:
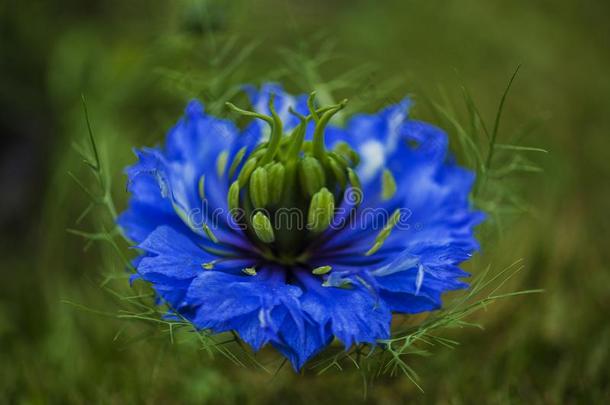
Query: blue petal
[
  {"x": 439, "y": 206},
  {"x": 414, "y": 282},
  {"x": 199, "y": 137},
  {"x": 254, "y": 306},
  {"x": 147, "y": 210},
  {"x": 164, "y": 183},
  {"x": 408, "y": 303},
  {"x": 301, "y": 345},
  {"x": 377, "y": 138},
  {"x": 354, "y": 315},
  {"x": 432, "y": 191},
  {"x": 171, "y": 254},
  {"x": 172, "y": 260}
]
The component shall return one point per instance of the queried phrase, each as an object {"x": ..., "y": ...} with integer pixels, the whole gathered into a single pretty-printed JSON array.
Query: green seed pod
[
  {"x": 262, "y": 227},
  {"x": 259, "y": 188},
  {"x": 277, "y": 176},
  {"x": 233, "y": 196},
  {"x": 246, "y": 171},
  {"x": 312, "y": 175},
  {"x": 321, "y": 211}
]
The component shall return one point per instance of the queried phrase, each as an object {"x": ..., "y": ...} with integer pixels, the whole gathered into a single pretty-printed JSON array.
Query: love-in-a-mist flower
[{"x": 295, "y": 231}]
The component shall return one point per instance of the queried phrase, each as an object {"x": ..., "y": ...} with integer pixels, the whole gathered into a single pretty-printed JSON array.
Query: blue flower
[{"x": 382, "y": 223}]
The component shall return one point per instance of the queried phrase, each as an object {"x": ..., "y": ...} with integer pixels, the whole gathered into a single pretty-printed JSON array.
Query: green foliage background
[{"x": 138, "y": 62}]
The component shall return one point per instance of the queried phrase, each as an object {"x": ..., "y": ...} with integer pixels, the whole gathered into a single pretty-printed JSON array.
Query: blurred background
[{"x": 138, "y": 62}]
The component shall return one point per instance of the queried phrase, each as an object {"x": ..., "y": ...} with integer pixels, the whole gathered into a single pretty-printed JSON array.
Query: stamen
[
  {"x": 246, "y": 171},
  {"x": 209, "y": 233},
  {"x": 233, "y": 196},
  {"x": 384, "y": 233},
  {"x": 388, "y": 185},
  {"x": 236, "y": 161},
  {"x": 338, "y": 171},
  {"x": 351, "y": 157},
  {"x": 259, "y": 151},
  {"x": 221, "y": 163},
  {"x": 251, "y": 271},
  {"x": 341, "y": 160},
  {"x": 201, "y": 187},
  {"x": 355, "y": 182},
  {"x": 321, "y": 270},
  {"x": 209, "y": 265},
  {"x": 338, "y": 281}
]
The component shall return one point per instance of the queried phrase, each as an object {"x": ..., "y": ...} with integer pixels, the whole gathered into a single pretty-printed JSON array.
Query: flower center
[{"x": 288, "y": 189}]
